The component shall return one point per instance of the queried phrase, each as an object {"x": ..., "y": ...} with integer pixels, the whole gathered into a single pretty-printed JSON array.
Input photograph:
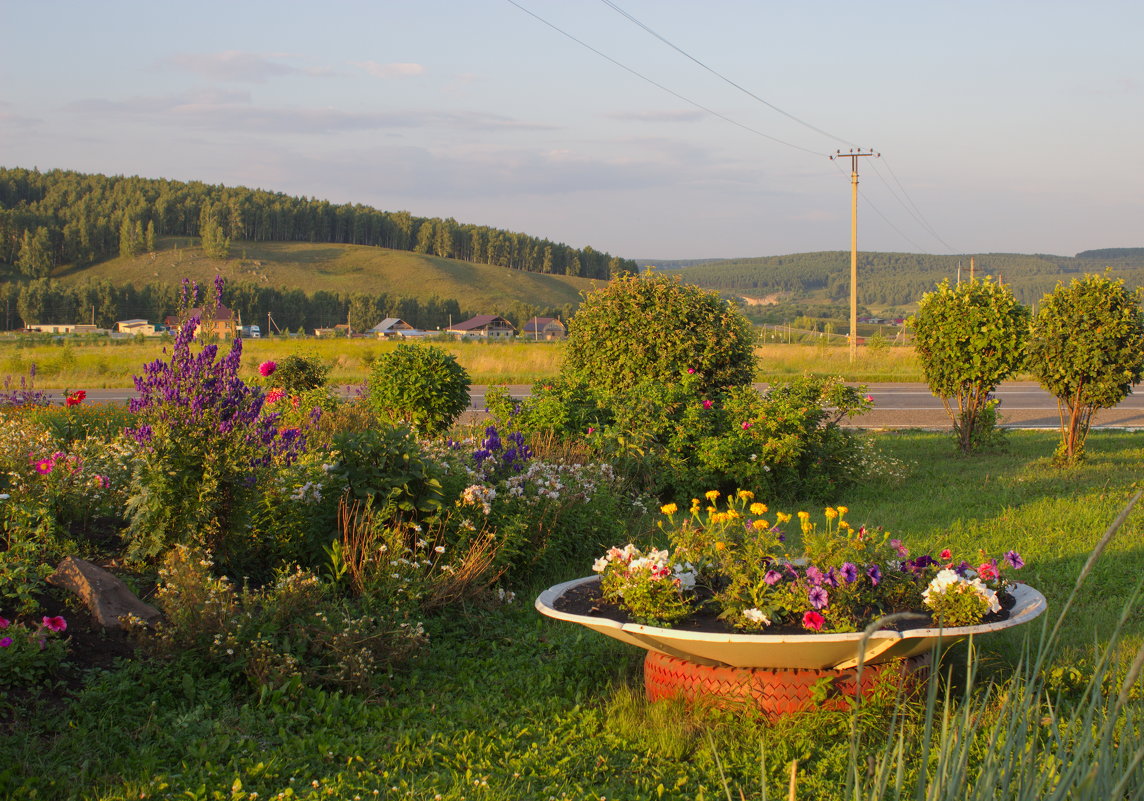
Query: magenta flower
[
  {"x": 947, "y": 554},
  {"x": 591, "y": 430},
  {"x": 44, "y": 466},
  {"x": 1014, "y": 559},
  {"x": 813, "y": 620},
  {"x": 818, "y": 597},
  {"x": 267, "y": 368},
  {"x": 899, "y": 547},
  {"x": 746, "y": 424},
  {"x": 772, "y": 577},
  {"x": 707, "y": 404},
  {"x": 4, "y": 643},
  {"x": 5, "y": 622},
  {"x": 869, "y": 398},
  {"x": 691, "y": 370},
  {"x": 874, "y": 573},
  {"x": 275, "y": 395},
  {"x": 55, "y": 623}
]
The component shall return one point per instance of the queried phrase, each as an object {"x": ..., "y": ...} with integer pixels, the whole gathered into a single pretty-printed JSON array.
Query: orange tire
[{"x": 775, "y": 691}]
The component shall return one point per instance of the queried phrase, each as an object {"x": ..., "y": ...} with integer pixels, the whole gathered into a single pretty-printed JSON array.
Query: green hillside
[
  {"x": 341, "y": 269},
  {"x": 900, "y": 279}
]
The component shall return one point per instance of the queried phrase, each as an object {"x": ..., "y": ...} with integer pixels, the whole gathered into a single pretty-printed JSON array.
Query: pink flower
[
  {"x": 987, "y": 571},
  {"x": 707, "y": 404},
  {"x": 266, "y": 368},
  {"x": 5, "y": 622},
  {"x": 746, "y": 424},
  {"x": 946, "y": 554},
  {"x": 44, "y": 466},
  {"x": 813, "y": 620},
  {"x": 590, "y": 430},
  {"x": 691, "y": 370},
  {"x": 55, "y": 623},
  {"x": 869, "y": 398},
  {"x": 275, "y": 395},
  {"x": 4, "y": 643}
]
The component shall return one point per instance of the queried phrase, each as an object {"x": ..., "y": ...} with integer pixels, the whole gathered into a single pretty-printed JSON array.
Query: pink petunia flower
[
  {"x": 56, "y": 623},
  {"x": 4, "y": 643},
  {"x": 267, "y": 368},
  {"x": 813, "y": 620},
  {"x": 707, "y": 404}
]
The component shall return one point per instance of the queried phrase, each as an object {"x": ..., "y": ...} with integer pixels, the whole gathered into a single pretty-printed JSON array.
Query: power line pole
[{"x": 854, "y": 155}]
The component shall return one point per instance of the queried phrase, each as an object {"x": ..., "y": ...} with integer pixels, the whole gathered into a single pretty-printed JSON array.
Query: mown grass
[{"x": 506, "y": 704}]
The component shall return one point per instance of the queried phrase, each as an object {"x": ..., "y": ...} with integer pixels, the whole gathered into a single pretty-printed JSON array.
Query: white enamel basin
[{"x": 818, "y": 651}]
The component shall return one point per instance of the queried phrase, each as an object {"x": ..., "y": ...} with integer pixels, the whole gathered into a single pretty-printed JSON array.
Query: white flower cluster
[
  {"x": 307, "y": 493},
  {"x": 948, "y": 579},
  {"x": 543, "y": 481},
  {"x": 479, "y": 495},
  {"x": 755, "y": 616}
]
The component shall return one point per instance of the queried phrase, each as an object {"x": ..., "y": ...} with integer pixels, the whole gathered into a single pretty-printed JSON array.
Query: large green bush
[
  {"x": 651, "y": 328},
  {"x": 421, "y": 386},
  {"x": 970, "y": 337},
  {"x": 1087, "y": 349}
]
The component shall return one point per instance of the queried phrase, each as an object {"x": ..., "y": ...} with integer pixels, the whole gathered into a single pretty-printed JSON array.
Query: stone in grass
[{"x": 106, "y": 597}]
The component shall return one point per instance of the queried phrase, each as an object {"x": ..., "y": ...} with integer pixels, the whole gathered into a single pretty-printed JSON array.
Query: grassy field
[
  {"x": 101, "y": 363},
  {"x": 506, "y": 704},
  {"x": 342, "y": 268}
]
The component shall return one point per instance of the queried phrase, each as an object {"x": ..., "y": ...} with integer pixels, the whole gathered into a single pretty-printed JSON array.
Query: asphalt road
[{"x": 1023, "y": 405}]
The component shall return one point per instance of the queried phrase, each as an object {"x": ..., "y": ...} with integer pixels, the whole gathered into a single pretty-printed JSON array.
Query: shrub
[
  {"x": 1087, "y": 349},
  {"x": 421, "y": 386},
  {"x": 387, "y": 467},
  {"x": 650, "y": 328},
  {"x": 204, "y": 442},
  {"x": 970, "y": 337},
  {"x": 298, "y": 374}
]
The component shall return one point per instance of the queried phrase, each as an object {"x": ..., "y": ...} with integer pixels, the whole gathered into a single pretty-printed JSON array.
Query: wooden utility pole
[{"x": 854, "y": 155}]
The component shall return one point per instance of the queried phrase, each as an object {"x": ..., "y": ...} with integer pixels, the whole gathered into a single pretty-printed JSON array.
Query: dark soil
[{"x": 584, "y": 599}]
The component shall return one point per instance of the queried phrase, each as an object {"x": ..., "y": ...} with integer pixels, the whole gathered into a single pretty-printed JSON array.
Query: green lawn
[{"x": 506, "y": 704}]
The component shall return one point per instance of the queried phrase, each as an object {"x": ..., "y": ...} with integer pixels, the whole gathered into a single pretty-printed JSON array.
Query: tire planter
[
  {"x": 773, "y": 691},
  {"x": 779, "y": 671}
]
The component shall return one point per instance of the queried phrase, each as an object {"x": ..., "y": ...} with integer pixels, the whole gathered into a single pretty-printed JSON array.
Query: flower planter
[{"x": 777, "y": 670}]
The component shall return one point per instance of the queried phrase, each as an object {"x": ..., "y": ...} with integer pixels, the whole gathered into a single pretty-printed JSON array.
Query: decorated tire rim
[{"x": 775, "y": 691}]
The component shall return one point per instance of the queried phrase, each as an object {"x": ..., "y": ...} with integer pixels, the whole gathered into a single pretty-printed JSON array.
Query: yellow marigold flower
[
  {"x": 831, "y": 513},
  {"x": 804, "y": 515},
  {"x": 758, "y": 508},
  {"x": 719, "y": 517},
  {"x": 712, "y": 495},
  {"x": 720, "y": 546},
  {"x": 760, "y": 525},
  {"x": 783, "y": 517},
  {"x": 669, "y": 508},
  {"x": 745, "y": 495},
  {"x": 694, "y": 501},
  {"x": 844, "y": 526},
  {"x": 712, "y": 510},
  {"x": 842, "y": 510}
]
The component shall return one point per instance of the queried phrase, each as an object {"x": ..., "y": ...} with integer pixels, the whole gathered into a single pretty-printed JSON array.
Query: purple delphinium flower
[
  {"x": 772, "y": 577},
  {"x": 1014, "y": 559},
  {"x": 849, "y": 572},
  {"x": 874, "y": 573},
  {"x": 818, "y": 597}
]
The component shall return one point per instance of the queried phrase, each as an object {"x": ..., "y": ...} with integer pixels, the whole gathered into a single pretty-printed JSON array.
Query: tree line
[
  {"x": 43, "y": 300},
  {"x": 61, "y": 217},
  {"x": 896, "y": 279}
]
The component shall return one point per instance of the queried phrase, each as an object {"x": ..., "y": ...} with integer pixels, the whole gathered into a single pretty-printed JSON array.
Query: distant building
[
  {"x": 221, "y": 323},
  {"x": 65, "y": 328},
  {"x": 548, "y": 328},
  {"x": 393, "y": 328},
  {"x": 484, "y": 326},
  {"x": 138, "y": 327}
]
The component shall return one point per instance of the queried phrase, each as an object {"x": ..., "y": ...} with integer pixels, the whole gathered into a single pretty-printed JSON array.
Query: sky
[{"x": 672, "y": 129}]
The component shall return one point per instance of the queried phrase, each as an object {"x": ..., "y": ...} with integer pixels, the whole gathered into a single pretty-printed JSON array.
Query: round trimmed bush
[
  {"x": 421, "y": 386},
  {"x": 652, "y": 328}
]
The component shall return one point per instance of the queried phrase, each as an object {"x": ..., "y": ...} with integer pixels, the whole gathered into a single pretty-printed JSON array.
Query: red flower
[
  {"x": 813, "y": 620},
  {"x": 707, "y": 404},
  {"x": 55, "y": 623},
  {"x": 987, "y": 571},
  {"x": 946, "y": 554},
  {"x": 746, "y": 424},
  {"x": 76, "y": 398},
  {"x": 266, "y": 368}
]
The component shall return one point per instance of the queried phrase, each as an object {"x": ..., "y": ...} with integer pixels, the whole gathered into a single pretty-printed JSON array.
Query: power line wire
[
  {"x": 878, "y": 211},
  {"x": 660, "y": 86},
  {"x": 916, "y": 212},
  {"x": 723, "y": 77}
]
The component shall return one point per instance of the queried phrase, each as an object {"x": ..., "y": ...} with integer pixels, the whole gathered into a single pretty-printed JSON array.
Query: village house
[
  {"x": 547, "y": 328},
  {"x": 484, "y": 326},
  {"x": 137, "y": 327},
  {"x": 221, "y": 323},
  {"x": 395, "y": 328}
]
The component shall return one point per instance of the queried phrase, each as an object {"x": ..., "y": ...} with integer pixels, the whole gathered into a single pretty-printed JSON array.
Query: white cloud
[{"x": 396, "y": 69}]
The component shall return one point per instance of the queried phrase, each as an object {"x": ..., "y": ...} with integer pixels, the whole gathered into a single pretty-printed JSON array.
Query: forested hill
[
  {"x": 899, "y": 279},
  {"x": 61, "y": 217}
]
